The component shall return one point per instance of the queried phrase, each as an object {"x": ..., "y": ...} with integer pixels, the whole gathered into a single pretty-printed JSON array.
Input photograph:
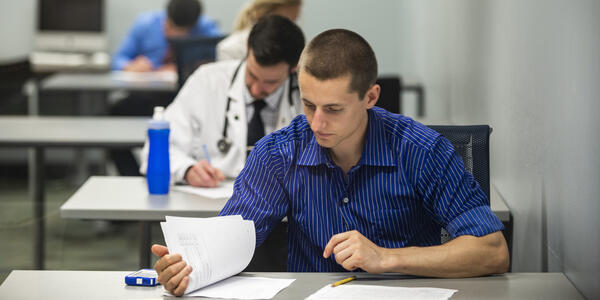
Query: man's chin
[
  {"x": 262, "y": 96},
  {"x": 325, "y": 143}
]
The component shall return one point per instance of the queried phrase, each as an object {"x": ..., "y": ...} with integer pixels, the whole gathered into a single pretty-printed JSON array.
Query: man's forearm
[{"x": 465, "y": 256}]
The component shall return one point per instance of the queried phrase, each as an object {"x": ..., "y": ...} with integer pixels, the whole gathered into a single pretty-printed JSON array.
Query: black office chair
[
  {"x": 392, "y": 90},
  {"x": 271, "y": 256},
  {"x": 390, "y": 97},
  {"x": 13, "y": 75},
  {"x": 472, "y": 142},
  {"x": 191, "y": 52}
]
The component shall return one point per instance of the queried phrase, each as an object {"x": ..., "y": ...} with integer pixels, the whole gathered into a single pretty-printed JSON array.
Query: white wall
[
  {"x": 16, "y": 20},
  {"x": 531, "y": 70},
  {"x": 377, "y": 21}
]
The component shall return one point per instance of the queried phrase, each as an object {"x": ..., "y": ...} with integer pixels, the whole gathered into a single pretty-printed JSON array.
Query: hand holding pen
[{"x": 203, "y": 174}]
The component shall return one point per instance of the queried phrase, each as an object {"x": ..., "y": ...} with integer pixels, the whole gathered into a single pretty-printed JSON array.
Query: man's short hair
[
  {"x": 184, "y": 13},
  {"x": 337, "y": 53},
  {"x": 276, "y": 39}
]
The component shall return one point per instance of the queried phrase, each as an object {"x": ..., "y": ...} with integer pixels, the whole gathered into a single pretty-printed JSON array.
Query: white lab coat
[{"x": 197, "y": 117}]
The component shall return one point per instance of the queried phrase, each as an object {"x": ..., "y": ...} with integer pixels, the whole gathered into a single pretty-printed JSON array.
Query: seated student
[
  {"x": 227, "y": 106},
  {"x": 362, "y": 188},
  {"x": 234, "y": 45},
  {"x": 146, "y": 47}
]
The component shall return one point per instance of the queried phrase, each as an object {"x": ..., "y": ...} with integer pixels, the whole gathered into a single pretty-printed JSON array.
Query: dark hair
[
  {"x": 338, "y": 52},
  {"x": 184, "y": 13},
  {"x": 276, "y": 39}
]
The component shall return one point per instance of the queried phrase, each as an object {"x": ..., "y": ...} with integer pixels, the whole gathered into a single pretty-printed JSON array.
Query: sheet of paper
[
  {"x": 156, "y": 76},
  {"x": 224, "y": 190},
  {"x": 374, "y": 292},
  {"x": 216, "y": 248},
  {"x": 242, "y": 287}
]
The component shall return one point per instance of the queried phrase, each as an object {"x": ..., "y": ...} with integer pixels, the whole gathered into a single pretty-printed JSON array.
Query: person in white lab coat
[{"x": 214, "y": 110}]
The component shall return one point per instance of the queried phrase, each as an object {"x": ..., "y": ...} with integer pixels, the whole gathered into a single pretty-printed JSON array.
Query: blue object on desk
[
  {"x": 143, "y": 277},
  {"x": 158, "y": 174}
]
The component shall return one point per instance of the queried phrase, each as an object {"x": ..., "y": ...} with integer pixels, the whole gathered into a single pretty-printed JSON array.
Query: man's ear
[
  {"x": 294, "y": 69},
  {"x": 372, "y": 95}
]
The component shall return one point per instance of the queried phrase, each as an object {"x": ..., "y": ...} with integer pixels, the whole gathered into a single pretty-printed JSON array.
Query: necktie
[{"x": 256, "y": 128}]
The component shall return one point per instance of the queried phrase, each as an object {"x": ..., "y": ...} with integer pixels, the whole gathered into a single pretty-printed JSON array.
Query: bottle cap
[
  {"x": 159, "y": 113},
  {"x": 158, "y": 120}
]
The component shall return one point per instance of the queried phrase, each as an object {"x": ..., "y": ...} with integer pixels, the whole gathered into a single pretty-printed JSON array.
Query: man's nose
[
  {"x": 318, "y": 120},
  {"x": 256, "y": 89}
]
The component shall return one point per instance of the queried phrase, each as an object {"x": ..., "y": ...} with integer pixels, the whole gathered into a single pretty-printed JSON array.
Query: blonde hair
[{"x": 258, "y": 9}]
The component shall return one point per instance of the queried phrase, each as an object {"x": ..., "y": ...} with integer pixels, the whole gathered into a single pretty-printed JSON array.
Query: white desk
[
  {"x": 106, "y": 81},
  {"x": 90, "y": 84},
  {"x": 39, "y": 133},
  {"x": 127, "y": 198},
  {"x": 91, "y": 285}
]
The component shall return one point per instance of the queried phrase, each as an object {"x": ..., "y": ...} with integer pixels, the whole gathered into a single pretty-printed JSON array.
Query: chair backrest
[
  {"x": 472, "y": 142},
  {"x": 13, "y": 76},
  {"x": 191, "y": 52},
  {"x": 14, "y": 73},
  {"x": 390, "y": 96}
]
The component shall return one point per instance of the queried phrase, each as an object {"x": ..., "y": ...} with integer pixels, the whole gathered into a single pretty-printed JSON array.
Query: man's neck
[{"x": 348, "y": 153}]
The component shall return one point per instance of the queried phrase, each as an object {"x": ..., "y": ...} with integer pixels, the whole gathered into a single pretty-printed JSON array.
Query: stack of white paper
[
  {"x": 357, "y": 291},
  {"x": 224, "y": 190},
  {"x": 240, "y": 287},
  {"x": 218, "y": 248}
]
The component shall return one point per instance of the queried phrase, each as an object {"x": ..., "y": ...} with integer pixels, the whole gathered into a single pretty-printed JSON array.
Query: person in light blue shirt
[
  {"x": 363, "y": 189},
  {"x": 146, "y": 47}
]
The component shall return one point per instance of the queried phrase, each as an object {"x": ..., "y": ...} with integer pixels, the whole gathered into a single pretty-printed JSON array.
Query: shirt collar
[
  {"x": 314, "y": 155},
  {"x": 376, "y": 150}
]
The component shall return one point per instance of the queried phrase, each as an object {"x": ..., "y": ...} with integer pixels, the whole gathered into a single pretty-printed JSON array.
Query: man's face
[
  {"x": 263, "y": 81},
  {"x": 334, "y": 113},
  {"x": 174, "y": 31}
]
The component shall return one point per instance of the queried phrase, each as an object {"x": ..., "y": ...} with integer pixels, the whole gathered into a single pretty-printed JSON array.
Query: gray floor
[{"x": 70, "y": 244}]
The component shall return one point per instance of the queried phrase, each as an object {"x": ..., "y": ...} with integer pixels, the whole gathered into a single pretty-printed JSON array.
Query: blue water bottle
[{"x": 158, "y": 174}]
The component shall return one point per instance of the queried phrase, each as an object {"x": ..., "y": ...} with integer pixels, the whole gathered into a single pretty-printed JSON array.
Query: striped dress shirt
[{"x": 407, "y": 185}]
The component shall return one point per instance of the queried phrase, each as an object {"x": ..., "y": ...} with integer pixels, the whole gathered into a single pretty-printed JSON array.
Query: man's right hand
[
  {"x": 139, "y": 64},
  {"x": 173, "y": 272},
  {"x": 202, "y": 174}
]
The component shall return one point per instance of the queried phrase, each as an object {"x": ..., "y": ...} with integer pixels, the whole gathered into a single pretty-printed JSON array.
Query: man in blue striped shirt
[{"x": 362, "y": 188}]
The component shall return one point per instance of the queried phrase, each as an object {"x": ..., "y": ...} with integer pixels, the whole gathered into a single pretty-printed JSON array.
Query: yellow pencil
[{"x": 343, "y": 281}]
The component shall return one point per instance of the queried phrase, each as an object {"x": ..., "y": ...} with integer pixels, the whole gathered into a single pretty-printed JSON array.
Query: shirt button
[{"x": 345, "y": 200}]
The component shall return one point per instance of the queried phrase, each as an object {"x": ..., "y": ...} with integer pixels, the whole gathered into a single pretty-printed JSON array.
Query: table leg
[
  {"x": 36, "y": 186},
  {"x": 145, "y": 240},
  {"x": 508, "y": 235},
  {"x": 31, "y": 88}
]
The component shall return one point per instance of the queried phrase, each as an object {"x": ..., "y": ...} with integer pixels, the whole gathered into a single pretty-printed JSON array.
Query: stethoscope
[{"x": 224, "y": 143}]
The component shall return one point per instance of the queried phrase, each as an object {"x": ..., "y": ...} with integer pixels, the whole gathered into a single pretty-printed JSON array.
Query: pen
[
  {"x": 343, "y": 281},
  {"x": 206, "y": 153}
]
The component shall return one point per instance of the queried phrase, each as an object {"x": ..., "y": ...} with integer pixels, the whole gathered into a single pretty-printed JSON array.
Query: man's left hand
[{"x": 352, "y": 250}]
